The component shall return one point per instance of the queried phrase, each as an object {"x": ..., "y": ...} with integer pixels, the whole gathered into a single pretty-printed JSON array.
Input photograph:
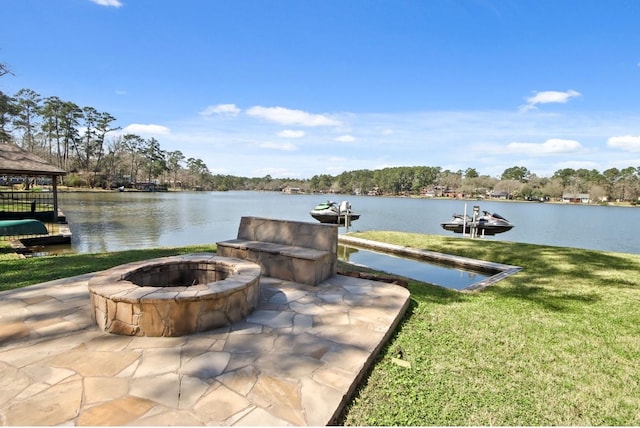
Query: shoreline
[{"x": 65, "y": 189}]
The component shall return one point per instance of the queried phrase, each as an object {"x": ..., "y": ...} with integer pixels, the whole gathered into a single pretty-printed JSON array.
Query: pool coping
[{"x": 499, "y": 271}]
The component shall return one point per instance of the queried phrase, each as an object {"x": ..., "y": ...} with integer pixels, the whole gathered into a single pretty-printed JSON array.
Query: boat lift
[
  {"x": 473, "y": 226},
  {"x": 345, "y": 207}
]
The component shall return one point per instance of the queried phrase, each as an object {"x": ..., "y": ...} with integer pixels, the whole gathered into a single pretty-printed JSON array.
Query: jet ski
[
  {"x": 331, "y": 212},
  {"x": 486, "y": 224}
]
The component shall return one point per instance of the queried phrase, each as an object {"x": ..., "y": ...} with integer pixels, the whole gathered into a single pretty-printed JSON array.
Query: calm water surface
[
  {"x": 116, "y": 221},
  {"x": 445, "y": 276}
]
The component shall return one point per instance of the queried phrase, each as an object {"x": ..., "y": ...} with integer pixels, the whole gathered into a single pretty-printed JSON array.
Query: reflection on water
[
  {"x": 49, "y": 250},
  {"x": 433, "y": 273},
  {"x": 113, "y": 221}
]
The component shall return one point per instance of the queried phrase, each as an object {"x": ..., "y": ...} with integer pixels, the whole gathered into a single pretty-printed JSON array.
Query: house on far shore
[
  {"x": 499, "y": 194},
  {"x": 292, "y": 190},
  {"x": 576, "y": 198}
]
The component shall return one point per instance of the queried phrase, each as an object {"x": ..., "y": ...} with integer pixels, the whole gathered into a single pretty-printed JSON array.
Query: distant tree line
[
  {"x": 516, "y": 182},
  {"x": 77, "y": 139},
  {"x": 80, "y": 141}
]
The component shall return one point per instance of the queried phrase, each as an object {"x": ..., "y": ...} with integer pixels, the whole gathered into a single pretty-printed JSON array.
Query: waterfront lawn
[
  {"x": 556, "y": 344},
  {"x": 16, "y": 272}
]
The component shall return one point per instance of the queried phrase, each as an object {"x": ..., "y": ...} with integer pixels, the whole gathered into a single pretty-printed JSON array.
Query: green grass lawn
[
  {"x": 16, "y": 272},
  {"x": 556, "y": 344}
]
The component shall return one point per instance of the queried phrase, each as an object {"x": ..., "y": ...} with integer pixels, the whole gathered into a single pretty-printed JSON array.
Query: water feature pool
[
  {"x": 425, "y": 271},
  {"x": 445, "y": 270}
]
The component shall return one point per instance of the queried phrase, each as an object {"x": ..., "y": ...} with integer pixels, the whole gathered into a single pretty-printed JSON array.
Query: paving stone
[
  {"x": 97, "y": 389},
  {"x": 353, "y": 336},
  {"x": 92, "y": 363},
  {"x": 262, "y": 417},
  {"x": 191, "y": 390},
  {"x": 218, "y": 346},
  {"x": 292, "y": 416},
  {"x": 306, "y": 308},
  {"x": 12, "y": 382},
  {"x": 108, "y": 343},
  {"x": 170, "y": 418},
  {"x": 334, "y": 318},
  {"x": 240, "y": 328},
  {"x": 158, "y": 361},
  {"x": 242, "y": 360},
  {"x": 250, "y": 343},
  {"x": 47, "y": 374},
  {"x": 302, "y": 344},
  {"x": 206, "y": 366},
  {"x": 241, "y": 380},
  {"x": 53, "y": 406},
  {"x": 372, "y": 315},
  {"x": 333, "y": 377},
  {"x": 121, "y": 411},
  {"x": 163, "y": 389},
  {"x": 31, "y": 353},
  {"x": 287, "y": 365},
  {"x": 273, "y": 319},
  {"x": 32, "y": 299},
  {"x": 345, "y": 357},
  {"x": 275, "y": 391},
  {"x": 302, "y": 323},
  {"x": 236, "y": 418},
  {"x": 334, "y": 297},
  {"x": 288, "y": 295},
  {"x": 129, "y": 371},
  {"x": 220, "y": 404},
  {"x": 319, "y": 401},
  {"x": 157, "y": 342},
  {"x": 31, "y": 390}
]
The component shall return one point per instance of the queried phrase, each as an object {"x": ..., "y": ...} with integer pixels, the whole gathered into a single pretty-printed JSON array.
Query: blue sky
[{"x": 294, "y": 88}]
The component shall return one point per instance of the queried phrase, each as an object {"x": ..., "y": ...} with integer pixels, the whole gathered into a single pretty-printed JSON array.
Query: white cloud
[
  {"x": 287, "y": 116},
  {"x": 149, "y": 129},
  {"x": 629, "y": 143},
  {"x": 546, "y": 97},
  {"x": 387, "y": 131},
  {"x": 345, "y": 139},
  {"x": 449, "y": 139},
  {"x": 289, "y": 133},
  {"x": 226, "y": 109},
  {"x": 549, "y": 147},
  {"x": 108, "y": 3},
  {"x": 121, "y": 92},
  {"x": 285, "y": 147}
]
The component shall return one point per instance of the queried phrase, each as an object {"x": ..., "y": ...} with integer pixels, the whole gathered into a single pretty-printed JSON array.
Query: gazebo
[{"x": 19, "y": 205}]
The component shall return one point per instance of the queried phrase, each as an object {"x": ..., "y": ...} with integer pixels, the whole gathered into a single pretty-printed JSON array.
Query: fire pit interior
[
  {"x": 174, "y": 296},
  {"x": 178, "y": 274}
]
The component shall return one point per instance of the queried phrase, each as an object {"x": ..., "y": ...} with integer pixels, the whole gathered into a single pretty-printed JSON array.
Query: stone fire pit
[{"x": 174, "y": 296}]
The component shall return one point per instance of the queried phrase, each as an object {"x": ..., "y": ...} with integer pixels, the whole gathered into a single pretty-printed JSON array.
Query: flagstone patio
[{"x": 296, "y": 360}]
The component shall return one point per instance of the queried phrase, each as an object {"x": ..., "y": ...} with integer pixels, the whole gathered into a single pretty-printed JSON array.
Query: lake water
[{"x": 113, "y": 221}]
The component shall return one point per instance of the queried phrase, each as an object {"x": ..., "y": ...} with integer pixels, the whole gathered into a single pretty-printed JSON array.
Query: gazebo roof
[{"x": 15, "y": 160}]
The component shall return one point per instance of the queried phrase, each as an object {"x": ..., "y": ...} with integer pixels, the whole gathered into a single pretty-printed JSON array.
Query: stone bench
[{"x": 291, "y": 250}]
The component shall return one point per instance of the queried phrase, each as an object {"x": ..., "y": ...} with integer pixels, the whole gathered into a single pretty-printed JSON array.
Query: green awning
[{"x": 22, "y": 227}]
